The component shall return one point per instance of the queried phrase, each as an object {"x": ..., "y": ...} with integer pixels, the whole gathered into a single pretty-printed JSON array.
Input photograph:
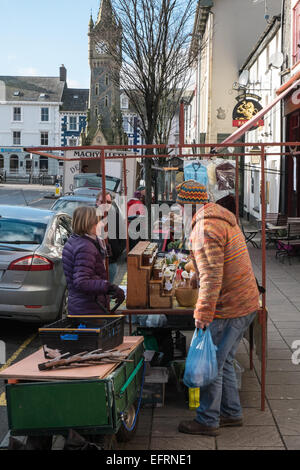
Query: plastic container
[
  {"x": 155, "y": 321},
  {"x": 82, "y": 333},
  {"x": 154, "y": 387},
  {"x": 194, "y": 398}
]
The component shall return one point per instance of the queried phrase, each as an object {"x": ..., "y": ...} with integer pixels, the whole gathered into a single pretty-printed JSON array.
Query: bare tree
[{"x": 154, "y": 63}]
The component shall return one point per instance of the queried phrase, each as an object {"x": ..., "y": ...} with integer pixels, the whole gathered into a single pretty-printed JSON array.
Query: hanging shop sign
[{"x": 246, "y": 108}]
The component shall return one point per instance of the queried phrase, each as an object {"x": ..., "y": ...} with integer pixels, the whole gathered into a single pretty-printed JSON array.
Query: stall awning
[{"x": 285, "y": 90}]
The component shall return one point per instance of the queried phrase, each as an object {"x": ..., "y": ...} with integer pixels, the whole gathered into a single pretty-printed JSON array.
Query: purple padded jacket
[{"x": 83, "y": 264}]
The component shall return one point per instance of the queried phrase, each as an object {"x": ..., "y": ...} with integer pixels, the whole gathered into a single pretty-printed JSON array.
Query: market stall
[{"x": 208, "y": 153}]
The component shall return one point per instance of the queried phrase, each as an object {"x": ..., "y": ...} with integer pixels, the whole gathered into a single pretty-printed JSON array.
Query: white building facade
[
  {"x": 263, "y": 68},
  {"x": 29, "y": 117}
]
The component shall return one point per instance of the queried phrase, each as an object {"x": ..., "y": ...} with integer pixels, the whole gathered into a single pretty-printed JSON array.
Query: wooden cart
[{"x": 94, "y": 400}]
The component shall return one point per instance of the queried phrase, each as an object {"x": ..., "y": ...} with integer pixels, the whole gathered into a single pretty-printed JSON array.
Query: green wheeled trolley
[{"x": 90, "y": 406}]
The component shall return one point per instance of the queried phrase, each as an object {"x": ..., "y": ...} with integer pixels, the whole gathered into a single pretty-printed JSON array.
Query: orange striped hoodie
[{"x": 228, "y": 286}]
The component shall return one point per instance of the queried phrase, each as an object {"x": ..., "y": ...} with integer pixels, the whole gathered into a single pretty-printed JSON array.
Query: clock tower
[{"x": 105, "y": 40}]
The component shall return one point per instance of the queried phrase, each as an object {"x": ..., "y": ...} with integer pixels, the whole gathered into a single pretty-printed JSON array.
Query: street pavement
[
  {"x": 278, "y": 427},
  {"x": 21, "y": 339}
]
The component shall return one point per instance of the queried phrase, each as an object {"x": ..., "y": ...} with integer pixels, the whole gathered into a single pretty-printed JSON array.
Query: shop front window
[
  {"x": 14, "y": 163},
  {"x": 43, "y": 164},
  {"x": 28, "y": 163}
]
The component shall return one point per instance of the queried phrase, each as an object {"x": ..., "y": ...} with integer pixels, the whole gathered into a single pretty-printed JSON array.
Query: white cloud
[
  {"x": 31, "y": 71},
  {"x": 74, "y": 84}
]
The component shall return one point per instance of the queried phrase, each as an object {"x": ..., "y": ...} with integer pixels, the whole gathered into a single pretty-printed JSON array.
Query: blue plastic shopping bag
[{"x": 201, "y": 366}]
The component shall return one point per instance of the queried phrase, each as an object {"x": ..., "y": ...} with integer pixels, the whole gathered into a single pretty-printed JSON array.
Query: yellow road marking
[
  {"x": 2, "y": 399},
  {"x": 12, "y": 359}
]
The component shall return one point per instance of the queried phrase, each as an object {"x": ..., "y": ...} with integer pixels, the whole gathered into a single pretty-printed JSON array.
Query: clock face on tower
[{"x": 100, "y": 47}]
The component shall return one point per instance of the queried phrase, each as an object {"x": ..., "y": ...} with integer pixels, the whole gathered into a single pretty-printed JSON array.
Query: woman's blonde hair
[{"x": 84, "y": 218}]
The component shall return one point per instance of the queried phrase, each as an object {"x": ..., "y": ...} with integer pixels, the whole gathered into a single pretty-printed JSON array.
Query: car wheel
[
  {"x": 124, "y": 435},
  {"x": 63, "y": 311}
]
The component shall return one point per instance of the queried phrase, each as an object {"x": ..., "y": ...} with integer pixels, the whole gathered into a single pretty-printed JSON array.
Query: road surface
[{"x": 20, "y": 339}]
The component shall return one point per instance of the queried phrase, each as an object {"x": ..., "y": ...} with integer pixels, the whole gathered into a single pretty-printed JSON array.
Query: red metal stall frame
[{"x": 42, "y": 151}]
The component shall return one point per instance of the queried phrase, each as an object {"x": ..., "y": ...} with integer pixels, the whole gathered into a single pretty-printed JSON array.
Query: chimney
[{"x": 63, "y": 73}]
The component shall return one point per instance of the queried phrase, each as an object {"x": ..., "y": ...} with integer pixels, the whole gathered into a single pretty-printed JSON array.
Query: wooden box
[
  {"x": 157, "y": 296},
  {"x": 138, "y": 277}
]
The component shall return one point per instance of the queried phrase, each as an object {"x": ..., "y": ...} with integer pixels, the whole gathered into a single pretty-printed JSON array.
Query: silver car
[
  {"x": 68, "y": 204},
  {"x": 32, "y": 281}
]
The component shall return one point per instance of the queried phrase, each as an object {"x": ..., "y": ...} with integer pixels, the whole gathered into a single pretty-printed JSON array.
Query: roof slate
[
  {"x": 75, "y": 104},
  {"x": 31, "y": 88}
]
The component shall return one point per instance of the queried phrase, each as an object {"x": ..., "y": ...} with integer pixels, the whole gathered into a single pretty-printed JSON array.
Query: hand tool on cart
[{"x": 86, "y": 359}]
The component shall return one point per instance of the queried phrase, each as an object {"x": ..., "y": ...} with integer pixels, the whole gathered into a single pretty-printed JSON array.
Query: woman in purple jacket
[{"x": 83, "y": 261}]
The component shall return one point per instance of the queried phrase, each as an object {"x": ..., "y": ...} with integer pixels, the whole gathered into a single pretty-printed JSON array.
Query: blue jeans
[{"x": 221, "y": 397}]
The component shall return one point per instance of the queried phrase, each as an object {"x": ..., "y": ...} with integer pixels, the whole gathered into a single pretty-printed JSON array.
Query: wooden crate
[
  {"x": 157, "y": 296},
  {"x": 138, "y": 277}
]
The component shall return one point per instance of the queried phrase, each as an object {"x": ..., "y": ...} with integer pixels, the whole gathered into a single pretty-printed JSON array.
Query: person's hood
[{"x": 215, "y": 211}]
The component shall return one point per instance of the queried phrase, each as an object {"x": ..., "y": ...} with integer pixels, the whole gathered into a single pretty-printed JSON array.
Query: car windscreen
[
  {"x": 70, "y": 206},
  {"x": 21, "y": 231},
  {"x": 94, "y": 181}
]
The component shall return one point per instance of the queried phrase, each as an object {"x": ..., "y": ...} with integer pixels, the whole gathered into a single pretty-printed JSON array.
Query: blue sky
[{"x": 37, "y": 36}]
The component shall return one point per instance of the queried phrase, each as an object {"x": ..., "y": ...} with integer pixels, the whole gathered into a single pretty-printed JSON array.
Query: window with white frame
[
  {"x": 72, "y": 123},
  {"x": 44, "y": 114},
  {"x": 17, "y": 114},
  {"x": 125, "y": 124},
  {"x": 124, "y": 102},
  {"x": 16, "y": 138},
  {"x": 44, "y": 138},
  {"x": 296, "y": 39}
]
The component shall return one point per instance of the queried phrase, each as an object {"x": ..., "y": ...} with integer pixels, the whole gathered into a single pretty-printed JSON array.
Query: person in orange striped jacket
[{"x": 227, "y": 303}]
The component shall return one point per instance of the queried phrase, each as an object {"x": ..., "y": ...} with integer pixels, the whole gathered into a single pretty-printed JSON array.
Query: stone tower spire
[
  {"x": 106, "y": 14},
  {"x": 105, "y": 38}
]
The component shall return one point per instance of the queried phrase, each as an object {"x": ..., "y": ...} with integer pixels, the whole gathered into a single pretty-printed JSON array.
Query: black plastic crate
[
  {"x": 181, "y": 321},
  {"x": 82, "y": 333},
  {"x": 179, "y": 345}
]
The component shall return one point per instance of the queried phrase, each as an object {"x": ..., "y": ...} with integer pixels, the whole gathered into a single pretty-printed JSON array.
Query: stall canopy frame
[{"x": 221, "y": 149}]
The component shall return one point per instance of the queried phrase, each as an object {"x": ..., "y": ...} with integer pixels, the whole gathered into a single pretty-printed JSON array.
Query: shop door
[{"x": 293, "y": 168}]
